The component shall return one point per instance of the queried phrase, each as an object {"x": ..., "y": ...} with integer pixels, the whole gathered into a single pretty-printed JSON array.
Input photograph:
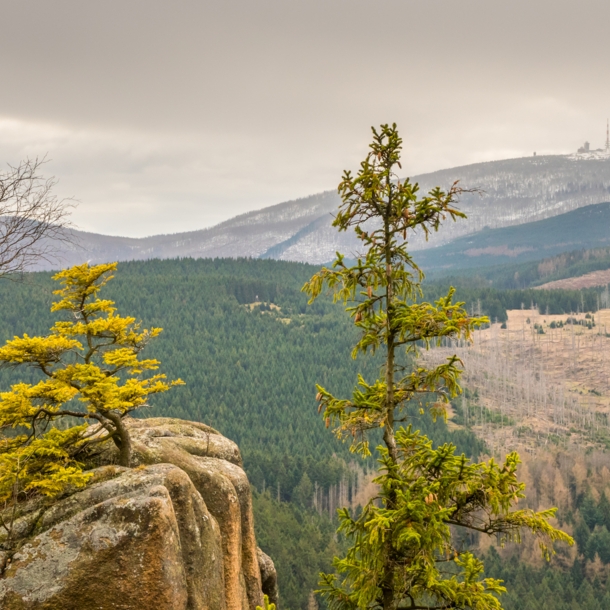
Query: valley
[
  {"x": 239, "y": 332},
  {"x": 260, "y": 350},
  {"x": 241, "y": 335}
]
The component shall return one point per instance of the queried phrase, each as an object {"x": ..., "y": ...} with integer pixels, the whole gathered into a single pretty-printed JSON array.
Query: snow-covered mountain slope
[
  {"x": 514, "y": 191},
  {"x": 247, "y": 235}
]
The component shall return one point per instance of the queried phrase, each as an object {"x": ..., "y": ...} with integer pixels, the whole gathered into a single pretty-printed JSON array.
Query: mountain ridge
[{"x": 516, "y": 191}]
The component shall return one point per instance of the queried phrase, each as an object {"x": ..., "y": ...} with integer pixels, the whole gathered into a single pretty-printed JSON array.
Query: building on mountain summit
[{"x": 586, "y": 152}]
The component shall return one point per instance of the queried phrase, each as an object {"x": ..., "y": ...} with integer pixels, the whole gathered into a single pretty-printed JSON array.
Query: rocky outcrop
[{"x": 173, "y": 532}]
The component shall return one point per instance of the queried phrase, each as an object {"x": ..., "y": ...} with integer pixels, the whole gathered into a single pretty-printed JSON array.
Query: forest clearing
[
  {"x": 588, "y": 280},
  {"x": 536, "y": 379}
]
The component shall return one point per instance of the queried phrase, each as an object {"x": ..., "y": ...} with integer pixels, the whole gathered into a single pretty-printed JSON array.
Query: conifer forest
[{"x": 248, "y": 347}]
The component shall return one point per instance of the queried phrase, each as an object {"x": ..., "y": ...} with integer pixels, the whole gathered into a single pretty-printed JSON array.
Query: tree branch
[{"x": 33, "y": 221}]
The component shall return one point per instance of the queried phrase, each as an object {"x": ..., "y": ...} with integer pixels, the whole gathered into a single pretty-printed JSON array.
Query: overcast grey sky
[{"x": 167, "y": 116}]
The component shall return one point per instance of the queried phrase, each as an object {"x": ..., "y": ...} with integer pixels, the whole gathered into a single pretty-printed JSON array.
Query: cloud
[
  {"x": 166, "y": 117},
  {"x": 140, "y": 183}
]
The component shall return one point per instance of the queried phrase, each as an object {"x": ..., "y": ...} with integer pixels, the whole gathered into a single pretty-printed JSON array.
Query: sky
[{"x": 160, "y": 117}]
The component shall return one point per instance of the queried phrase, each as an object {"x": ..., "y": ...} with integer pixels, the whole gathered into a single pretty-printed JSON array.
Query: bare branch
[{"x": 32, "y": 219}]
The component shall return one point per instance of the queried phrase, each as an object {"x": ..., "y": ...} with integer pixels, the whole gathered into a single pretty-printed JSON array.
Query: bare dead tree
[{"x": 33, "y": 220}]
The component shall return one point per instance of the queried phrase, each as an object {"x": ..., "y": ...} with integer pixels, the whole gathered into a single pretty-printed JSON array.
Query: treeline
[{"x": 493, "y": 302}]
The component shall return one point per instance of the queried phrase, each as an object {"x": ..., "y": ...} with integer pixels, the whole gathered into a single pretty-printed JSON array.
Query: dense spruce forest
[
  {"x": 494, "y": 302},
  {"x": 239, "y": 332}
]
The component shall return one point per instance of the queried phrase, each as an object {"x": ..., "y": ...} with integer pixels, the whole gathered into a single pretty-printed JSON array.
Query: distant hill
[
  {"x": 584, "y": 228},
  {"x": 513, "y": 192},
  {"x": 534, "y": 274}
]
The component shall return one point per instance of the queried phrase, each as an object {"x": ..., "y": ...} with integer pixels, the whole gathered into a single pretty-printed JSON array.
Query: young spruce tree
[
  {"x": 406, "y": 549},
  {"x": 91, "y": 371}
]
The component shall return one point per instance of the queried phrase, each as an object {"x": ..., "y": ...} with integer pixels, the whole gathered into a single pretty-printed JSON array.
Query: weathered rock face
[{"x": 174, "y": 532}]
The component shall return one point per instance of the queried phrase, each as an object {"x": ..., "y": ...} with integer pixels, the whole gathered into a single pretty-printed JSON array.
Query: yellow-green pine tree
[{"x": 91, "y": 370}]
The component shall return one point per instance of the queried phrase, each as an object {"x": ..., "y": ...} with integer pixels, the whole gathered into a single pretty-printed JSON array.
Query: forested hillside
[
  {"x": 493, "y": 302},
  {"x": 584, "y": 228},
  {"x": 249, "y": 369},
  {"x": 534, "y": 273},
  {"x": 250, "y": 349},
  {"x": 576, "y": 578}
]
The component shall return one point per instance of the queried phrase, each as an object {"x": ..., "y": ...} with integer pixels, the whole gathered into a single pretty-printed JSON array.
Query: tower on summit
[{"x": 585, "y": 152}]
